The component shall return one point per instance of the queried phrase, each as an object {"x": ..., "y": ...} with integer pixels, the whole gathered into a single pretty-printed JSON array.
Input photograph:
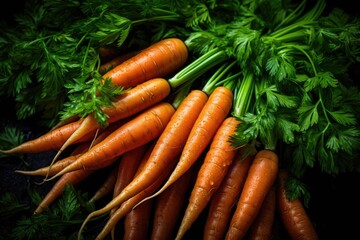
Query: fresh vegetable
[
  {"x": 225, "y": 198},
  {"x": 107, "y": 186},
  {"x": 261, "y": 176},
  {"x": 292, "y": 212},
  {"x": 107, "y": 66}
]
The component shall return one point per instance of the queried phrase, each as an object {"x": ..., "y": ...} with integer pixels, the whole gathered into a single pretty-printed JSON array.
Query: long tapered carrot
[
  {"x": 212, "y": 172},
  {"x": 168, "y": 207},
  {"x": 169, "y": 144},
  {"x": 211, "y": 116},
  {"x": 107, "y": 186},
  {"x": 224, "y": 199},
  {"x": 262, "y": 227},
  {"x": 261, "y": 176},
  {"x": 138, "y": 131},
  {"x": 157, "y": 60},
  {"x": 293, "y": 214}
]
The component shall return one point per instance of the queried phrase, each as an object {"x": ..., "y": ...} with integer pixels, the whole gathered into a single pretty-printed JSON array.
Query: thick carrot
[
  {"x": 167, "y": 147},
  {"x": 137, "y": 222},
  {"x": 203, "y": 130},
  {"x": 107, "y": 66},
  {"x": 107, "y": 186},
  {"x": 224, "y": 199},
  {"x": 168, "y": 207},
  {"x": 261, "y": 229},
  {"x": 138, "y": 131},
  {"x": 212, "y": 172},
  {"x": 293, "y": 214},
  {"x": 58, "y": 188},
  {"x": 128, "y": 104},
  {"x": 261, "y": 176},
  {"x": 157, "y": 60}
]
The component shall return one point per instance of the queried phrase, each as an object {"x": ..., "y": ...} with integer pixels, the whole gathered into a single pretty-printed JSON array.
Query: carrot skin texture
[
  {"x": 261, "y": 229},
  {"x": 107, "y": 66},
  {"x": 261, "y": 176},
  {"x": 211, "y": 116},
  {"x": 224, "y": 199},
  {"x": 132, "y": 134},
  {"x": 168, "y": 206},
  {"x": 212, "y": 172},
  {"x": 293, "y": 214},
  {"x": 157, "y": 60}
]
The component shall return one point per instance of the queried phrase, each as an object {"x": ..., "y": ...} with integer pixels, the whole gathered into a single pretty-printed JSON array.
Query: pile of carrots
[{"x": 160, "y": 151}]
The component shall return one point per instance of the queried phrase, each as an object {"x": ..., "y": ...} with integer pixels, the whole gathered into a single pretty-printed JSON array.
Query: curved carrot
[
  {"x": 138, "y": 131},
  {"x": 224, "y": 199},
  {"x": 168, "y": 146},
  {"x": 107, "y": 186},
  {"x": 261, "y": 176},
  {"x": 212, "y": 172},
  {"x": 293, "y": 214},
  {"x": 58, "y": 188},
  {"x": 168, "y": 206},
  {"x": 107, "y": 66},
  {"x": 261, "y": 229},
  {"x": 211, "y": 116},
  {"x": 157, "y": 60}
]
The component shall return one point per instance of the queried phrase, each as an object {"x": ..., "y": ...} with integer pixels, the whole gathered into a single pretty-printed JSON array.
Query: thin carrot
[
  {"x": 65, "y": 121},
  {"x": 137, "y": 222},
  {"x": 212, "y": 172},
  {"x": 224, "y": 199},
  {"x": 169, "y": 144},
  {"x": 58, "y": 188},
  {"x": 261, "y": 176},
  {"x": 293, "y": 214},
  {"x": 107, "y": 66},
  {"x": 107, "y": 186},
  {"x": 261, "y": 229},
  {"x": 211, "y": 116},
  {"x": 157, "y": 60},
  {"x": 138, "y": 131},
  {"x": 168, "y": 207}
]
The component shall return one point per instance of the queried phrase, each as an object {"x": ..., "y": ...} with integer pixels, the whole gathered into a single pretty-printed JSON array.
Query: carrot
[
  {"x": 157, "y": 60},
  {"x": 293, "y": 214},
  {"x": 168, "y": 206},
  {"x": 261, "y": 176},
  {"x": 212, "y": 172},
  {"x": 261, "y": 229},
  {"x": 106, "y": 187},
  {"x": 58, "y": 188},
  {"x": 138, "y": 131},
  {"x": 223, "y": 200},
  {"x": 129, "y": 204},
  {"x": 137, "y": 222},
  {"x": 211, "y": 116},
  {"x": 107, "y": 66},
  {"x": 167, "y": 147},
  {"x": 65, "y": 121}
]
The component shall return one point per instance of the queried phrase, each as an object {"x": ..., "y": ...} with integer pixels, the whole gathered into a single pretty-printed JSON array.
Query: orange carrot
[
  {"x": 293, "y": 214},
  {"x": 261, "y": 176},
  {"x": 137, "y": 222},
  {"x": 58, "y": 188},
  {"x": 223, "y": 200},
  {"x": 212, "y": 172},
  {"x": 107, "y": 66},
  {"x": 65, "y": 121},
  {"x": 261, "y": 229},
  {"x": 138, "y": 131},
  {"x": 168, "y": 146},
  {"x": 107, "y": 186},
  {"x": 211, "y": 116},
  {"x": 168, "y": 207},
  {"x": 157, "y": 60}
]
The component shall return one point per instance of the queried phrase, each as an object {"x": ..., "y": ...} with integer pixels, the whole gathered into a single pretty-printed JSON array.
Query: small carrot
[
  {"x": 157, "y": 60},
  {"x": 168, "y": 145},
  {"x": 261, "y": 229},
  {"x": 224, "y": 199},
  {"x": 107, "y": 186},
  {"x": 261, "y": 176},
  {"x": 107, "y": 66},
  {"x": 138, "y": 131},
  {"x": 168, "y": 207},
  {"x": 293, "y": 214},
  {"x": 211, "y": 116},
  {"x": 212, "y": 172}
]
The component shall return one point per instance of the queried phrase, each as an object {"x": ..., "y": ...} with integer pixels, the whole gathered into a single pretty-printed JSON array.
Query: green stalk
[{"x": 243, "y": 95}]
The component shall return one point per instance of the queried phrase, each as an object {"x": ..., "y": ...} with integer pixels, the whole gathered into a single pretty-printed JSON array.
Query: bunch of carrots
[{"x": 166, "y": 138}]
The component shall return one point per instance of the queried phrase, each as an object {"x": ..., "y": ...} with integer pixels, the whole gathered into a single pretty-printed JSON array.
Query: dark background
[{"x": 334, "y": 205}]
